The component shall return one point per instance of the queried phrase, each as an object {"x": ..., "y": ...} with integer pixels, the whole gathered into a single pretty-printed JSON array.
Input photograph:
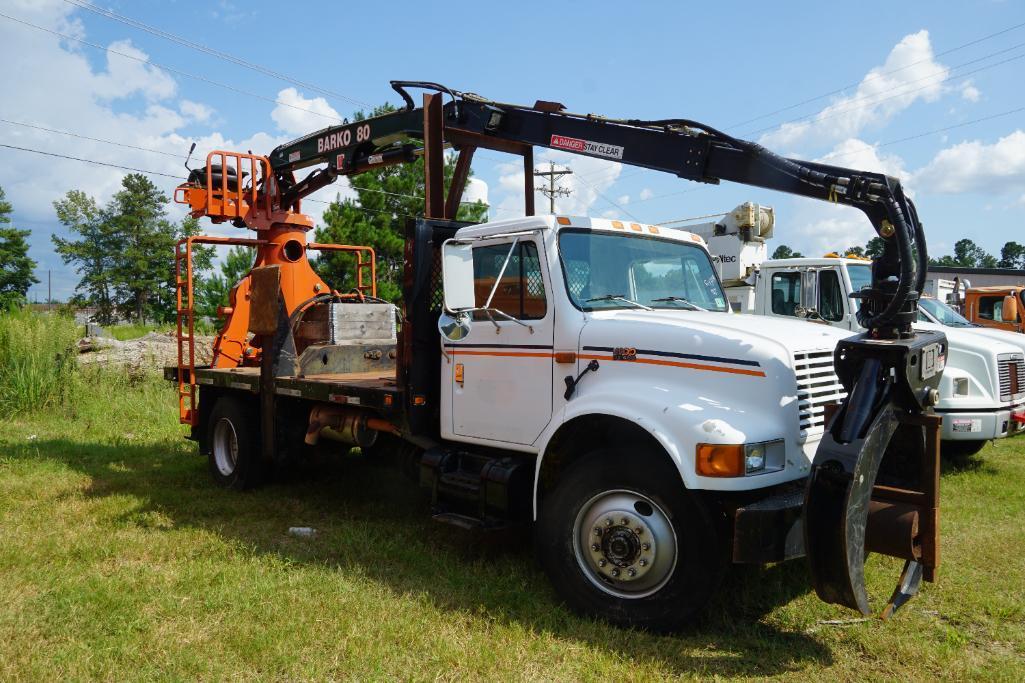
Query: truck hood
[
  {"x": 1015, "y": 339},
  {"x": 704, "y": 332},
  {"x": 978, "y": 339}
]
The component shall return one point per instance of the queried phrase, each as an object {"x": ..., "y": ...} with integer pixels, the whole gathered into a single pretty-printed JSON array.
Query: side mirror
[
  {"x": 454, "y": 327},
  {"x": 457, "y": 276},
  {"x": 810, "y": 290},
  {"x": 1009, "y": 312}
]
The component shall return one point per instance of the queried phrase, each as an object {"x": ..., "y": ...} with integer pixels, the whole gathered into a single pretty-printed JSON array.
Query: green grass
[
  {"x": 37, "y": 361},
  {"x": 128, "y": 331},
  {"x": 120, "y": 560}
]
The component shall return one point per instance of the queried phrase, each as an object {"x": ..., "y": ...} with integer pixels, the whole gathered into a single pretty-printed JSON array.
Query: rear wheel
[
  {"x": 622, "y": 539},
  {"x": 234, "y": 458}
]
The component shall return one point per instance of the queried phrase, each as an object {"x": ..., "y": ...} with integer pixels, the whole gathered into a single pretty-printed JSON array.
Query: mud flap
[{"x": 875, "y": 473}]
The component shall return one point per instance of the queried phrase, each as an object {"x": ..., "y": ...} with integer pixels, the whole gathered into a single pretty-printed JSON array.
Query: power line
[
  {"x": 90, "y": 161},
  {"x": 692, "y": 218},
  {"x": 86, "y": 137},
  {"x": 172, "y": 69},
  {"x": 602, "y": 195},
  {"x": 166, "y": 35},
  {"x": 844, "y": 110},
  {"x": 874, "y": 75}
]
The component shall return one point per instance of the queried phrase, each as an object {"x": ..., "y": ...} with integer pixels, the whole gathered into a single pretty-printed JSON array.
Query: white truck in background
[{"x": 982, "y": 393}]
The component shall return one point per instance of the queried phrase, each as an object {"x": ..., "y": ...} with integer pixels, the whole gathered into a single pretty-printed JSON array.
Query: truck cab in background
[
  {"x": 998, "y": 308},
  {"x": 981, "y": 397}
]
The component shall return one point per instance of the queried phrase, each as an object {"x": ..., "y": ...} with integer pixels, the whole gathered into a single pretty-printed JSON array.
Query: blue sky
[{"x": 812, "y": 80}]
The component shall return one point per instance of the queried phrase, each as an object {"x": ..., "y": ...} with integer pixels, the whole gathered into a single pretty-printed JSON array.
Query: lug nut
[
  {"x": 631, "y": 571},
  {"x": 645, "y": 546},
  {"x": 614, "y": 572},
  {"x": 608, "y": 521},
  {"x": 595, "y": 547},
  {"x": 597, "y": 531},
  {"x": 624, "y": 521},
  {"x": 638, "y": 531},
  {"x": 643, "y": 563},
  {"x": 602, "y": 563}
]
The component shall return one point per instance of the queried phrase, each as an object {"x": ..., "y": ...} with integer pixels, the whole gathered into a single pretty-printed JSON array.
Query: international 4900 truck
[{"x": 582, "y": 376}]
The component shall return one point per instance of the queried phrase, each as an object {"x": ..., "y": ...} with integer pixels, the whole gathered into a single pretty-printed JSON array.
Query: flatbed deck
[{"x": 377, "y": 390}]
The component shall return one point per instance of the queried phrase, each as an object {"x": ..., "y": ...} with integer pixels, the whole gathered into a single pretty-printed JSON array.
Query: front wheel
[{"x": 622, "y": 539}]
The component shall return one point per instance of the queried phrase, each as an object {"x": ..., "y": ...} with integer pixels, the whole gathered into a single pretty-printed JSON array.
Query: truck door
[
  {"x": 501, "y": 371},
  {"x": 833, "y": 301},
  {"x": 785, "y": 293}
]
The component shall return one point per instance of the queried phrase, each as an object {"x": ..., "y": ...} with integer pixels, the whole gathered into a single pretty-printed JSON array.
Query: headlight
[
  {"x": 738, "y": 460},
  {"x": 960, "y": 386}
]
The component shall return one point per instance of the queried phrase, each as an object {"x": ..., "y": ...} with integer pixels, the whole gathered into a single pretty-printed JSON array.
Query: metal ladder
[{"x": 185, "y": 317}]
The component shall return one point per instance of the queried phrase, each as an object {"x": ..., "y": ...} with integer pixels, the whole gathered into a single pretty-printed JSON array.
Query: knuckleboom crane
[{"x": 853, "y": 494}]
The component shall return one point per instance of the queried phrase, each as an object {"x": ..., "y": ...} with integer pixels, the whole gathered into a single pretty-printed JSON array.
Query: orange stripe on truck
[{"x": 679, "y": 364}]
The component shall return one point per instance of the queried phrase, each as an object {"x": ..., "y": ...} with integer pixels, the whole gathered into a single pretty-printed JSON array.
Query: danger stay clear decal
[{"x": 587, "y": 147}]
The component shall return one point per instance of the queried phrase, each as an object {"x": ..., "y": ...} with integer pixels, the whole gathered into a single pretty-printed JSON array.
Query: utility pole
[{"x": 553, "y": 191}]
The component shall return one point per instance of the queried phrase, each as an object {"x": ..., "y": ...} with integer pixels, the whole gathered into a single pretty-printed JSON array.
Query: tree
[
  {"x": 783, "y": 251},
  {"x": 92, "y": 254},
  {"x": 15, "y": 265},
  {"x": 875, "y": 246},
  {"x": 386, "y": 199},
  {"x": 967, "y": 254},
  {"x": 855, "y": 250},
  {"x": 125, "y": 251},
  {"x": 146, "y": 239},
  {"x": 1012, "y": 255}
]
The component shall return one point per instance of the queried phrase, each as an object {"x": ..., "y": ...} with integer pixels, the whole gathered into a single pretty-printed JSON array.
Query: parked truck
[
  {"x": 980, "y": 397},
  {"x": 996, "y": 307},
  {"x": 579, "y": 375}
]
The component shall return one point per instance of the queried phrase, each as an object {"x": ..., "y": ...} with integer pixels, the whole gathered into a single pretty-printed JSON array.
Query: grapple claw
[{"x": 874, "y": 480}]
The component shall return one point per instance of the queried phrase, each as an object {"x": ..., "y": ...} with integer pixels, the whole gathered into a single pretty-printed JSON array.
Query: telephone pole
[{"x": 553, "y": 191}]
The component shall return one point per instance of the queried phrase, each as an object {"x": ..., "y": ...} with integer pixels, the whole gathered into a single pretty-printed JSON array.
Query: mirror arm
[{"x": 501, "y": 273}]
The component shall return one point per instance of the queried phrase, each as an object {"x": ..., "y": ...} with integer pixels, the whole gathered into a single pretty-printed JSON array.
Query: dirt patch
[{"x": 154, "y": 351}]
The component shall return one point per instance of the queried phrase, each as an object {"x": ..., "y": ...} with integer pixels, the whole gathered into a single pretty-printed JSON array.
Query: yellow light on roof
[
  {"x": 617, "y": 225},
  {"x": 562, "y": 220}
]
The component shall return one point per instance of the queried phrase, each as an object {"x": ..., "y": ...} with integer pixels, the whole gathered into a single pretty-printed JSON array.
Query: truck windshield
[
  {"x": 659, "y": 273},
  {"x": 944, "y": 314},
  {"x": 861, "y": 277}
]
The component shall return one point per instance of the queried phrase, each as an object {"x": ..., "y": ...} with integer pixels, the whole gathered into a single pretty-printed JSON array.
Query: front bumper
[
  {"x": 982, "y": 425},
  {"x": 770, "y": 528}
]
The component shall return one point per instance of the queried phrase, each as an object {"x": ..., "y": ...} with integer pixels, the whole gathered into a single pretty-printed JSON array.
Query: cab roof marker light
[{"x": 562, "y": 220}]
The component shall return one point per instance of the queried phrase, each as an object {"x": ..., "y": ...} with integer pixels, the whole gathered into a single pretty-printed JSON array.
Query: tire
[
  {"x": 961, "y": 451},
  {"x": 233, "y": 435},
  {"x": 677, "y": 560}
]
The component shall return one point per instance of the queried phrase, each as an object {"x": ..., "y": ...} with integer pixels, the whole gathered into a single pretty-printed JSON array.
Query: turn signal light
[{"x": 720, "y": 460}]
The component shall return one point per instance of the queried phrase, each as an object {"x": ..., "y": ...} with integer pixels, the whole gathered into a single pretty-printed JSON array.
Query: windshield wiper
[
  {"x": 679, "y": 300},
  {"x": 618, "y": 297}
]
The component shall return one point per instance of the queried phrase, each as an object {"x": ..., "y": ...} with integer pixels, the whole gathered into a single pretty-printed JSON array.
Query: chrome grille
[
  {"x": 817, "y": 387},
  {"x": 1011, "y": 371}
]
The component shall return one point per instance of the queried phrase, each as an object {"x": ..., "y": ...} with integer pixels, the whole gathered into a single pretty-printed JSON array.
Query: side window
[
  {"x": 991, "y": 308},
  {"x": 521, "y": 292},
  {"x": 786, "y": 293},
  {"x": 830, "y": 296}
]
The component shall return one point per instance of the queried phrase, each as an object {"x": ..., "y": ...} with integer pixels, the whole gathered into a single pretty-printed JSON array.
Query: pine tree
[
  {"x": 93, "y": 254},
  {"x": 15, "y": 265}
]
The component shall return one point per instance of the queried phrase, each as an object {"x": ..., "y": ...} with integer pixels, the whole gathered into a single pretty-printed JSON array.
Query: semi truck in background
[{"x": 982, "y": 394}]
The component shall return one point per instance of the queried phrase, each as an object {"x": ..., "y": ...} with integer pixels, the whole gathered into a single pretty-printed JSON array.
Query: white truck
[
  {"x": 977, "y": 399},
  {"x": 582, "y": 376}
]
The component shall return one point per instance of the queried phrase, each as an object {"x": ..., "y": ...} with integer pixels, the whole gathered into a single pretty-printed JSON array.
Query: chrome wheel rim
[
  {"x": 625, "y": 544},
  {"x": 225, "y": 447}
]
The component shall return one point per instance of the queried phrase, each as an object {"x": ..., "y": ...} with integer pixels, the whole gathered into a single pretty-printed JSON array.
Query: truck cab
[{"x": 998, "y": 308}]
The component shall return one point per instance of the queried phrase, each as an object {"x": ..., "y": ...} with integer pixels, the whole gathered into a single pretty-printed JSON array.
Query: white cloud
[
  {"x": 195, "y": 110},
  {"x": 623, "y": 199},
  {"x": 298, "y": 115},
  {"x": 970, "y": 92},
  {"x": 646, "y": 194},
  {"x": 909, "y": 74},
  {"x": 126, "y": 76},
  {"x": 976, "y": 167}
]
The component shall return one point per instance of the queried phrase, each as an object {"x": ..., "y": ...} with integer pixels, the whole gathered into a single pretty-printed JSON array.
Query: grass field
[{"x": 120, "y": 560}]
